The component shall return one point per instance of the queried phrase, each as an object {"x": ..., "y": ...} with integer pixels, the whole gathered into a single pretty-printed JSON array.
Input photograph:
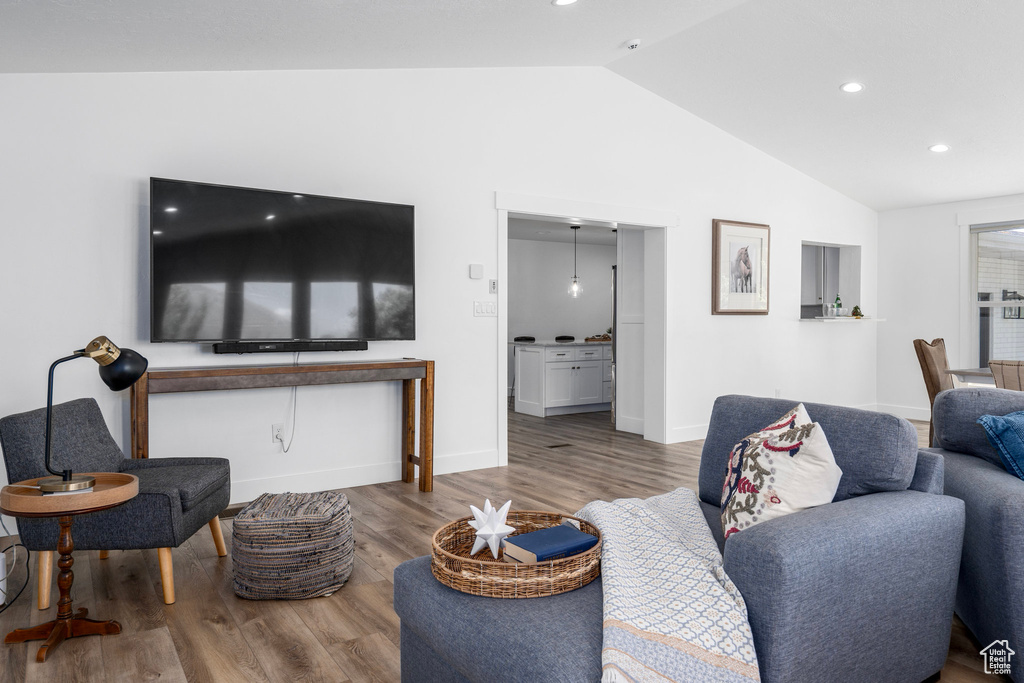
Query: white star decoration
[{"x": 490, "y": 527}]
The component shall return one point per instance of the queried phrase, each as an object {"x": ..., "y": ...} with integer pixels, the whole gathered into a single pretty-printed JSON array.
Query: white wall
[
  {"x": 924, "y": 278},
  {"x": 538, "y": 281},
  {"x": 76, "y": 151}
]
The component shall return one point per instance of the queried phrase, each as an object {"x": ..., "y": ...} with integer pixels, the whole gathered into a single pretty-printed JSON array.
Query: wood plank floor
[{"x": 558, "y": 463}]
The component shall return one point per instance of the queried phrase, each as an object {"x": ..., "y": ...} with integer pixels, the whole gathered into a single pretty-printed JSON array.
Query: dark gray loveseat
[{"x": 859, "y": 590}]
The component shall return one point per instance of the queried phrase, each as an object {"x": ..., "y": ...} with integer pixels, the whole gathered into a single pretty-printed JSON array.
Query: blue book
[{"x": 551, "y": 543}]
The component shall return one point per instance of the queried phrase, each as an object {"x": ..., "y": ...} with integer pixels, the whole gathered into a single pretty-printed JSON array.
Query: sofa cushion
[
  {"x": 1006, "y": 433},
  {"x": 955, "y": 418},
  {"x": 783, "y": 468},
  {"x": 875, "y": 451},
  {"x": 192, "y": 482}
]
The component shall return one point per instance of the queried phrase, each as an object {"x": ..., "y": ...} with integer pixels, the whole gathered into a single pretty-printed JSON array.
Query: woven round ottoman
[{"x": 292, "y": 546}]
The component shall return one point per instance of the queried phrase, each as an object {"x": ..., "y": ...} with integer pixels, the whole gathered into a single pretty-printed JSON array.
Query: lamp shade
[{"x": 124, "y": 371}]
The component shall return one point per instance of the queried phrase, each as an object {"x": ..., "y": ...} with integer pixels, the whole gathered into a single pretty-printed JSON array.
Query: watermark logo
[{"x": 997, "y": 657}]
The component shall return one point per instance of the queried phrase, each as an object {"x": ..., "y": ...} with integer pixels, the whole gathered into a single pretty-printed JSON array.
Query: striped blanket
[{"x": 670, "y": 611}]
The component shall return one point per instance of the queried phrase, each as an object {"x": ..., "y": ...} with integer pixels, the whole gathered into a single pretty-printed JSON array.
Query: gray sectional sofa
[
  {"x": 990, "y": 594},
  {"x": 858, "y": 590}
]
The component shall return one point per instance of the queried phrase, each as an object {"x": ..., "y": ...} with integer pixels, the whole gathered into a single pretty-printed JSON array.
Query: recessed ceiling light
[
  {"x": 297, "y": 196},
  {"x": 171, "y": 209},
  {"x": 560, "y": 3},
  {"x": 158, "y": 232},
  {"x": 270, "y": 217},
  {"x": 939, "y": 148},
  {"x": 851, "y": 87}
]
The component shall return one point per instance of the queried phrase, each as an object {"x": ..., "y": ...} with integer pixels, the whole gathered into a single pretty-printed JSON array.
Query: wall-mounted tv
[{"x": 235, "y": 264}]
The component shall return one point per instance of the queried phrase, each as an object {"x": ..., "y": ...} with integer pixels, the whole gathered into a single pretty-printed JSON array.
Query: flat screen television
[{"x": 235, "y": 264}]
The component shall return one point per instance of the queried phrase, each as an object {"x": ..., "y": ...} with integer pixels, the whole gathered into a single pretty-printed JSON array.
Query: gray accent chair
[
  {"x": 177, "y": 496},
  {"x": 859, "y": 590},
  {"x": 990, "y": 594}
]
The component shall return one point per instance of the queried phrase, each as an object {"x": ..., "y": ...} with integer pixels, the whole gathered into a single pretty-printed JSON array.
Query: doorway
[{"x": 646, "y": 230}]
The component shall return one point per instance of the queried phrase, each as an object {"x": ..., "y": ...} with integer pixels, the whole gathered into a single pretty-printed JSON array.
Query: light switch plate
[
  {"x": 492, "y": 286},
  {"x": 485, "y": 309}
]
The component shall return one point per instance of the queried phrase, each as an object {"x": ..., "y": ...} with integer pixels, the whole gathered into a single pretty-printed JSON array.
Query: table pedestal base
[
  {"x": 57, "y": 631},
  {"x": 67, "y": 624}
]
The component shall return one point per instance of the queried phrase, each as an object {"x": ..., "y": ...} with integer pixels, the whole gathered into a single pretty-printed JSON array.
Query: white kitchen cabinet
[
  {"x": 589, "y": 381},
  {"x": 557, "y": 379},
  {"x": 560, "y": 384}
]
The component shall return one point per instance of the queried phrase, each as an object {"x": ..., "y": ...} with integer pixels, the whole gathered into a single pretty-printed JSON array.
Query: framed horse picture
[{"x": 739, "y": 268}]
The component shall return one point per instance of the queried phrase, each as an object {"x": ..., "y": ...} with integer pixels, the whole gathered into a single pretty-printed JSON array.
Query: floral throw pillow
[{"x": 786, "y": 467}]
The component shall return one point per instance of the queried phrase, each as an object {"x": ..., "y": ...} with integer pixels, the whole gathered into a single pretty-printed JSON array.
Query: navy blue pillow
[{"x": 1006, "y": 434}]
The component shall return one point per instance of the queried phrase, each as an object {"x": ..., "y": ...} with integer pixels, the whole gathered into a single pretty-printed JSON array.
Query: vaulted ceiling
[{"x": 766, "y": 71}]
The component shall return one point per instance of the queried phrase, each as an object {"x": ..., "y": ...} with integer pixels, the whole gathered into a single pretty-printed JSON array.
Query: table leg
[
  {"x": 408, "y": 430},
  {"x": 67, "y": 624},
  {"x": 139, "y": 400},
  {"x": 427, "y": 429}
]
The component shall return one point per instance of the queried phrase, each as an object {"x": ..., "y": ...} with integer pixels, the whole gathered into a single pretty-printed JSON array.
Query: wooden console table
[{"x": 260, "y": 376}]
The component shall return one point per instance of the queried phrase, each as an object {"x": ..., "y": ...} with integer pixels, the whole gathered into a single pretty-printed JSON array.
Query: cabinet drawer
[
  {"x": 607, "y": 370},
  {"x": 589, "y": 353},
  {"x": 607, "y": 352},
  {"x": 556, "y": 353}
]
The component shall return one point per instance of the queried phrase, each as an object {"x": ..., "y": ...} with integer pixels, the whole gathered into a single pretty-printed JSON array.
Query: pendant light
[{"x": 575, "y": 288}]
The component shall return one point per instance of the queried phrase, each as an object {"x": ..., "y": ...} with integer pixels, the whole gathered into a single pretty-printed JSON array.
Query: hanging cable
[
  {"x": 4, "y": 603},
  {"x": 295, "y": 402}
]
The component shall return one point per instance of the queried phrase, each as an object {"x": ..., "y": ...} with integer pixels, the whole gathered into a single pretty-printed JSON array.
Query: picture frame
[{"x": 739, "y": 267}]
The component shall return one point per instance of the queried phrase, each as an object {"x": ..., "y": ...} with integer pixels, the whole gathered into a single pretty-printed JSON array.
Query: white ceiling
[
  {"x": 222, "y": 35},
  {"x": 948, "y": 71},
  {"x": 766, "y": 71},
  {"x": 558, "y": 230}
]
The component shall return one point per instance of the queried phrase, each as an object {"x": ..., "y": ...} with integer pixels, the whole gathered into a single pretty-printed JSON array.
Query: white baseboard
[
  {"x": 633, "y": 425},
  {"x": 346, "y": 477},
  {"x": 324, "y": 480},
  {"x": 691, "y": 433},
  {"x": 572, "y": 410},
  {"x": 908, "y": 412},
  {"x": 463, "y": 462}
]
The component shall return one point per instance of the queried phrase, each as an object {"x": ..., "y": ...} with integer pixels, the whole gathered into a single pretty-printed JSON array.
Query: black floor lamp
[{"x": 119, "y": 369}]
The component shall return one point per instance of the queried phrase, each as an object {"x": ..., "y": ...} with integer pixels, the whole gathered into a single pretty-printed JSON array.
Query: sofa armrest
[
  {"x": 823, "y": 581},
  {"x": 929, "y": 473},
  {"x": 991, "y": 596}
]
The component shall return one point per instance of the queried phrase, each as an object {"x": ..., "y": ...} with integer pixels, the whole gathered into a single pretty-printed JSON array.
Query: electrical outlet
[
  {"x": 277, "y": 433},
  {"x": 492, "y": 286}
]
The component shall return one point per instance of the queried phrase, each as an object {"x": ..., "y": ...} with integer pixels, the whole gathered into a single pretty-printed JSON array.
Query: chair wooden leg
[
  {"x": 104, "y": 554},
  {"x": 218, "y": 536},
  {"x": 166, "y": 574},
  {"x": 44, "y": 578}
]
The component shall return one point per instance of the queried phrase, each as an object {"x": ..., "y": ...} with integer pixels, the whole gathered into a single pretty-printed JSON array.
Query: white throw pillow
[{"x": 786, "y": 467}]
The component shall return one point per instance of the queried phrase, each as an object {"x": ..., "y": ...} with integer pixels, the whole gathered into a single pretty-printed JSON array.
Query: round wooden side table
[{"x": 20, "y": 500}]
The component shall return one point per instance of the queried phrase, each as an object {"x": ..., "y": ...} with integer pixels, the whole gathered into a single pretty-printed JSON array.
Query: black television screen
[{"x": 239, "y": 264}]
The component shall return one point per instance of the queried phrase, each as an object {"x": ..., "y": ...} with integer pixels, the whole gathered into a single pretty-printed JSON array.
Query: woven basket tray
[{"x": 483, "y": 575}]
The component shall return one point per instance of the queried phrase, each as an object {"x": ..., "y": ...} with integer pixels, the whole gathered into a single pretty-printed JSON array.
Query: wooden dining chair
[
  {"x": 1008, "y": 374},
  {"x": 934, "y": 366}
]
